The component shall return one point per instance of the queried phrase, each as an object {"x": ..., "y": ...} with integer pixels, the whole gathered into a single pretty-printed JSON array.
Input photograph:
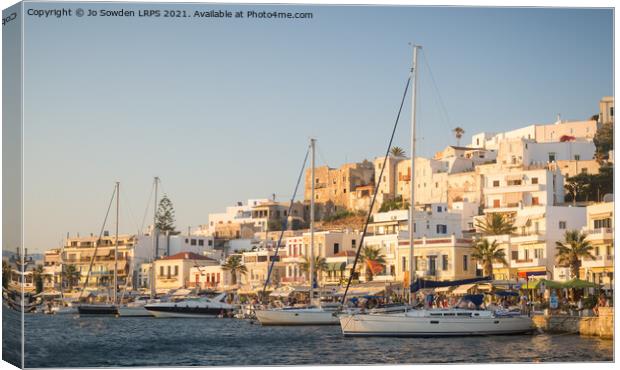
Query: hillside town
[{"x": 520, "y": 206}]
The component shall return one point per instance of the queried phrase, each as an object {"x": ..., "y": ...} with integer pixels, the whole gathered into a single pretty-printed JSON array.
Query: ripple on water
[{"x": 65, "y": 341}]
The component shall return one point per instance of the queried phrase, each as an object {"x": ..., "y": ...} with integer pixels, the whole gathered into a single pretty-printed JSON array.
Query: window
[
  {"x": 438, "y": 208},
  {"x": 604, "y": 223},
  {"x": 465, "y": 262},
  {"x": 514, "y": 255},
  {"x": 444, "y": 262},
  {"x": 336, "y": 248},
  {"x": 187, "y": 240},
  {"x": 404, "y": 266},
  {"x": 201, "y": 242},
  {"x": 161, "y": 270},
  {"x": 608, "y": 250},
  {"x": 552, "y": 157},
  {"x": 514, "y": 182},
  {"x": 611, "y": 111},
  {"x": 538, "y": 253},
  {"x": 527, "y": 254},
  {"x": 535, "y": 201},
  {"x": 534, "y": 180},
  {"x": 432, "y": 265},
  {"x": 577, "y": 157},
  {"x": 415, "y": 263},
  {"x": 193, "y": 242},
  {"x": 210, "y": 243},
  {"x": 562, "y": 225},
  {"x": 597, "y": 251},
  {"x": 176, "y": 270},
  {"x": 442, "y": 229},
  {"x": 353, "y": 243},
  {"x": 168, "y": 270},
  {"x": 496, "y": 183},
  {"x": 495, "y": 203},
  {"x": 584, "y": 170}
]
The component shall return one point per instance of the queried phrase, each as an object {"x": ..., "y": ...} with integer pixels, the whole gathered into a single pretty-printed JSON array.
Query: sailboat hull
[
  {"x": 296, "y": 317},
  {"x": 97, "y": 309},
  {"x": 405, "y": 325},
  {"x": 134, "y": 312}
]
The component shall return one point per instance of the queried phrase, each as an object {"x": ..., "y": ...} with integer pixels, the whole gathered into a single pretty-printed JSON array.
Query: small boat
[
  {"x": 297, "y": 316},
  {"x": 431, "y": 323},
  {"x": 97, "y": 309},
  {"x": 192, "y": 307}
]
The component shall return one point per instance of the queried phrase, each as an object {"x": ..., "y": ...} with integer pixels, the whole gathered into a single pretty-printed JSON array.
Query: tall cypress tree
[{"x": 165, "y": 216}]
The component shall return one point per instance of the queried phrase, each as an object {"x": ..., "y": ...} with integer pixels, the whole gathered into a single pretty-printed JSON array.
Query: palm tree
[
  {"x": 72, "y": 275},
  {"x": 495, "y": 224},
  {"x": 38, "y": 274},
  {"x": 371, "y": 255},
  {"x": 570, "y": 251},
  {"x": 488, "y": 253},
  {"x": 397, "y": 151},
  {"x": 234, "y": 265},
  {"x": 320, "y": 265},
  {"x": 458, "y": 133}
]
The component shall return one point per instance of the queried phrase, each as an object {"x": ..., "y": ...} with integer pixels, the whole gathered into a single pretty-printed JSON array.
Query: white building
[
  {"x": 237, "y": 214},
  {"x": 172, "y": 244},
  {"x": 528, "y": 152},
  {"x": 513, "y": 188},
  {"x": 531, "y": 248}
]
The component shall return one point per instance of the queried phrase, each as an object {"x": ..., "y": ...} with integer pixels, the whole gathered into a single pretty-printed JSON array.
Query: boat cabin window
[{"x": 463, "y": 314}]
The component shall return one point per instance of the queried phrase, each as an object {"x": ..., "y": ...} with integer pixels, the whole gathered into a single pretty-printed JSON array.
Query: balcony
[
  {"x": 293, "y": 279},
  {"x": 531, "y": 262},
  {"x": 598, "y": 261},
  {"x": 604, "y": 233},
  {"x": 528, "y": 239},
  {"x": 513, "y": 189}
]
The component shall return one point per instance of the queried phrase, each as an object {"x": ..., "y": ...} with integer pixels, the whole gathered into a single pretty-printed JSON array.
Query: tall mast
[
  {"x": 414, "y": 71},
  {"x": 154, "y": 237},
  {"x": 118, "y": 189},
  {"x": 312, "y": 141}
]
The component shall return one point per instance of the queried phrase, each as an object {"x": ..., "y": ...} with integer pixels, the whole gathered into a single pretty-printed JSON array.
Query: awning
[
  {"x": 336, "y": 266},
  {"x": 484, "y": 287},
  {"x": 521, "y": 221},
  {"x": 362, "y": 290},
  {"x": 443, "y": 289},
  {"x": 463, "y": 289},
  {"x": 104, "y": 252}
]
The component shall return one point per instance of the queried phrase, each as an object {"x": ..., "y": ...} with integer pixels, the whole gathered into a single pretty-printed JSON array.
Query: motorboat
[
  {"x": 435, "y": 322},
  {"x": 192, "y": 307},
  {"x": 297, "y": 316}
]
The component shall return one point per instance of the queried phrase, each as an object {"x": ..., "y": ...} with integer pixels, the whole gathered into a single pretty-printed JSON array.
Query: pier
[{"x": 594, "y": 326}]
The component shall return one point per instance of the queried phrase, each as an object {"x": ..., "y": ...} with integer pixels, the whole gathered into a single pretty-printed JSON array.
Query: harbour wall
[{"x": 597, "y": 326}]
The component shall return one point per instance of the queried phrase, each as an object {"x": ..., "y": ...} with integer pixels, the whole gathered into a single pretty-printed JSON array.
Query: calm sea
[{"x": 66, "y": 341}]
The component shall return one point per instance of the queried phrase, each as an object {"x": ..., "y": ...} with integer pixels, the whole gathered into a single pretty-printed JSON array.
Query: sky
[{"x": 222, "y": 109}]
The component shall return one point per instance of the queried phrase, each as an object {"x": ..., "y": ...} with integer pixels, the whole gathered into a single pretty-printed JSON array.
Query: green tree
[
  {"x": 572, "y": 249},
  {"x": 602, "y": 183},
  {"x": 392, "y": 204},
  {"x": 234, "y": 265},
  {"x": 495, "y": 224},
  {"x": 164, "y": 219},
  {"x": 372, "y": 254},
  {"x": 578, "y": 187},
  {"x": 488, "y": 253},
  {"x": 320, "y": 265},
  {"x": 397, "y": 151},
  {"x": 71, "y": 275},
  {"x": 6, "y": 274},
  {"x": 604, "y": 141},
  {"x": 458, "y": 133},
  {"x": 38, "y": 276}
]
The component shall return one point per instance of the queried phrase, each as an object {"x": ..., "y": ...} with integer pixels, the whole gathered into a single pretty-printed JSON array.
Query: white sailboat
[
  {"x": 440, "y": 322},
  {"x": 311, "y": 315}
]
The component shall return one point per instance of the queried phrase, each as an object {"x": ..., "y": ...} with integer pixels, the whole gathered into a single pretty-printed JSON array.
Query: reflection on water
[{"x": 70, "y": 341}]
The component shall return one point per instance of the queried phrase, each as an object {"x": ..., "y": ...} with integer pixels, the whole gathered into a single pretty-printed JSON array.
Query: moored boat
[
  {"x": 192, "y": 307},
  {"x": 97, "y": 309},
  {"x": 441, "y": 322},
  {"x": 297, "y": 316}
]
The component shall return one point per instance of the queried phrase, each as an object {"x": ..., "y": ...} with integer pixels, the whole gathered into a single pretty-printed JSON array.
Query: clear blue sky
[{"x": 222, "y": 110}]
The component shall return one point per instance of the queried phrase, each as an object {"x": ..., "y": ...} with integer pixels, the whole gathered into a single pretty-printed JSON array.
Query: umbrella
[{"x": 576, "y": 283}]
